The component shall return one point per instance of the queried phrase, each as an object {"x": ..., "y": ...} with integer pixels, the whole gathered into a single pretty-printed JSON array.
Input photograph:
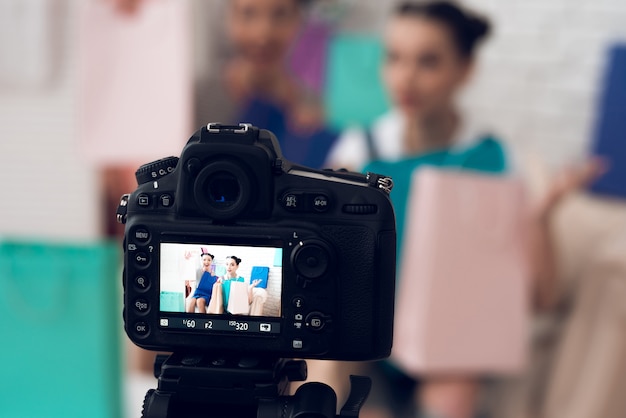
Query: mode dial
[{"x": 155, "y": 170}]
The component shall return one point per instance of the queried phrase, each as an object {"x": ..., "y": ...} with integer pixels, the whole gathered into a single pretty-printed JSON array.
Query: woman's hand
[
  {"x": 255, "y": 283},
  {"x": 569, "y": 180},
  {"x": 542, "y": 251}
]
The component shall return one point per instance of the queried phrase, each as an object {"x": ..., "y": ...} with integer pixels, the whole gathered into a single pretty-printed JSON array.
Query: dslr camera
[{"x": 233, "y": 249}]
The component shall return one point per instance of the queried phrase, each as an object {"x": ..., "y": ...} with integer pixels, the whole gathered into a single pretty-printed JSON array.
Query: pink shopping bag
[
  {"x": 135, "y": 81},
  {"x": 463, "y": 288}
]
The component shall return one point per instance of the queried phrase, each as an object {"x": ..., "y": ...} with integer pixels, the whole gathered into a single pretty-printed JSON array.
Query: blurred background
[{"x": 89, "y": 90}]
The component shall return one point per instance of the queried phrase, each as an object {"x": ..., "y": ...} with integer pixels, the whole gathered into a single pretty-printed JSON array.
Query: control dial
[{"x": 155, "y": 170}]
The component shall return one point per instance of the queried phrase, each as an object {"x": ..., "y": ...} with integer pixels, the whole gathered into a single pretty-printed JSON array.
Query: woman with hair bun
[
  {"x": 219, "y": 304},
  {"x": 430, "y": 54},
  {"x": 204, "y": 290}
]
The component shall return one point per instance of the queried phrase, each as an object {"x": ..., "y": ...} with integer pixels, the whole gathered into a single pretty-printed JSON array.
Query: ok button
[{"x": 141, "y": 259}]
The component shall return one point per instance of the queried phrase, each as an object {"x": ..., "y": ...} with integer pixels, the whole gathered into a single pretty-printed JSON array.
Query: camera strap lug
[
  {"x": 122, "y": 209},
  {"x": 378, "y": 181}
]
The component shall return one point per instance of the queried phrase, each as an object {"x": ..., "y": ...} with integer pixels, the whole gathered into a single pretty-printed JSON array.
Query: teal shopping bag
[
  {"x": 60, "y": 328},
  {"x": 354, "y": 94}
]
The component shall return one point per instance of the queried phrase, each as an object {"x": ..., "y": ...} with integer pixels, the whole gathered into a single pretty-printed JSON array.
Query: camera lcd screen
[{"x": 209, "y": 287}]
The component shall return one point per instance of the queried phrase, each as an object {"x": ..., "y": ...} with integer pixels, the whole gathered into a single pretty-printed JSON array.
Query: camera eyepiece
[{"x": 222, "y": 189}]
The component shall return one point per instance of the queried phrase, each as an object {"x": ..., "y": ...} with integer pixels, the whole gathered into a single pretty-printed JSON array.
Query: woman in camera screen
[
  {"x": 206, "y": 281},
  {"x": 235, "y": 298}
]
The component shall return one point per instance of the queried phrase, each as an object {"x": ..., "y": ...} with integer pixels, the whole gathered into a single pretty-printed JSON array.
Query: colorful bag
[
  {"x": 60, "y": 319},
  {"x": 354, "y": 94},
  {"x": 462, "y": 304}
]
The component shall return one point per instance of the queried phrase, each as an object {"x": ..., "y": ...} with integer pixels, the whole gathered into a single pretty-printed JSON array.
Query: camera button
[
  {"x": 320, "y": 203},
  {"x": 298, "y": 302},
  {"x": 142, "y": 234},
  {"x": 297, "y": 344},
  {"x": 141, "y": 306},
  {"x": 166, "y": 200},
  {"x": 141, "y": 329},
  {"x": 291, "y": 201},
  {"x": 316, "y": 321},
  {"x": 142, "y": 259},
  {"x": 143, "y": 200},
  {"x": 141, "y": 283}
]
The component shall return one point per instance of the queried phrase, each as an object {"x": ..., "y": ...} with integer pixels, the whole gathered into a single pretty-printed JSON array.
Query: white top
[{"x": 351, "y": 150}]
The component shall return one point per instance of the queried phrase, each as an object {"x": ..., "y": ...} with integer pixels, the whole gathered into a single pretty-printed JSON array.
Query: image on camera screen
[{"x": 221, "y": 279}]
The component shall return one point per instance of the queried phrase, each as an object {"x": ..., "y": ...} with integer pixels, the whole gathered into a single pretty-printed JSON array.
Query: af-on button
[{"x": 320, "y": 203}]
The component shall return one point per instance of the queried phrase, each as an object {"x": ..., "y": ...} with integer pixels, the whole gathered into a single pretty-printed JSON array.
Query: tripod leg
[{"x": 360, "y": 387}]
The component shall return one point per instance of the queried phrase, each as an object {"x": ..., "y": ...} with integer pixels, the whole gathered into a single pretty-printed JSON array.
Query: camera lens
[{"x": 223, "y": 189}]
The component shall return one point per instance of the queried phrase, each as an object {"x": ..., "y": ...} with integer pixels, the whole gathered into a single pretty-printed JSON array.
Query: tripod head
[{"x": 201, "y": 385}]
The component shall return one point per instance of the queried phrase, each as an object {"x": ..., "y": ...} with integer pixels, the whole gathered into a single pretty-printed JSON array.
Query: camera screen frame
[{"x": 182, "y": 254}]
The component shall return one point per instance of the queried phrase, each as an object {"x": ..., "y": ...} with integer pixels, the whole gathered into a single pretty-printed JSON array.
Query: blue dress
[
  {"x": 305, "y": 148},
  {"x": 205, "y": 287}
]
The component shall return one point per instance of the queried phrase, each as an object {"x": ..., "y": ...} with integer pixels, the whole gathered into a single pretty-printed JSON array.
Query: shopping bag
[
  {"x": 609, "y": 139},
  {"x": 462, "y": 304},
  {"x": 135, "y": 81},
  {"x": 353, "y": 94},
  {"x": 60, "y": 318},
  {"x": 238, "y": 298}
]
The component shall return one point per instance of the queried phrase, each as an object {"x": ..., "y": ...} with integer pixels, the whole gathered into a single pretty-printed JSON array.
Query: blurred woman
[
  {"x": 257, "y": 86},
  {"x": 430, "y": 56}
]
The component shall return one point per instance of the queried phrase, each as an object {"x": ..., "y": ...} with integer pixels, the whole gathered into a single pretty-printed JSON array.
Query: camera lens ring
[{"x": 214, "y": 180}]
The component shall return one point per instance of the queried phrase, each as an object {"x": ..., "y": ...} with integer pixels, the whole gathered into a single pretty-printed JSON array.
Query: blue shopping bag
[{"x": 609, "y": 140}]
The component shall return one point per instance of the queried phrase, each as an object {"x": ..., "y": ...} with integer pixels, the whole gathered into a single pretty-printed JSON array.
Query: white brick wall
[
  {"x": 49, "y": 190},
  {"x": 540, "y": 73}
]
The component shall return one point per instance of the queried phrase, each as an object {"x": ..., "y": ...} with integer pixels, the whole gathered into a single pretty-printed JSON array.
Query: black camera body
[{"x": 316, "y": 250}]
